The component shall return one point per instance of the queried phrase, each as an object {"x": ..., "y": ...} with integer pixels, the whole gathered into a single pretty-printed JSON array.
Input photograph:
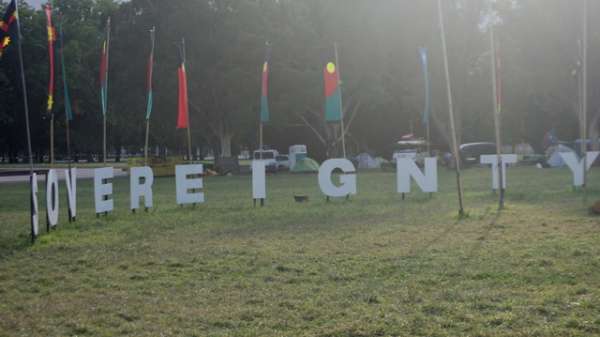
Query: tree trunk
[{"x": 225, "y": 140}]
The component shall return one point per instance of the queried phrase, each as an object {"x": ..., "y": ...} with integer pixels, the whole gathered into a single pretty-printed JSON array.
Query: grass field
[{"x": 371, "y": 266}]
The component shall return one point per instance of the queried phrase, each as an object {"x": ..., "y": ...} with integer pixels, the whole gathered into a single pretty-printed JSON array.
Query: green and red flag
[
  {"x": 51, "y": 39},
  {"x": 333, "y": 93},
  {"x": 264, "y": 98},
  {"x": 6, "y": 23},
  {"x": 183, "y": 117},
  {"x": 104, "y": 59},
  {"x": 149, "y": 75}
]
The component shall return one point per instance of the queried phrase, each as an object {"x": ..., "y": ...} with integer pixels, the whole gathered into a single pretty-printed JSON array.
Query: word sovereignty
[{"x": 189, "y": 183}]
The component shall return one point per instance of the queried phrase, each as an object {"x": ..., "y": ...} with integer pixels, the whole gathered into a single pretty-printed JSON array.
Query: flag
[
  {"x": 104, "y": 58},
  {"x": 67, "y": 97},
  {"x": 183, "y": 111},
  {"x": 264, "y": 98},
  {"x": 425, "y": 68},
  {"x": 333, "y": 93},
  {"x": 51, "y": 39},
  {"x": 149, "y": 74},
  {"x": 6, "y": 23}
]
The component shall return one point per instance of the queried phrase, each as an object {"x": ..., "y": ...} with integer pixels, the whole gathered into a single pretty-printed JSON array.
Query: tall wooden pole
[
  {"x": 27, "y": 126},
  {"x": 342, "y": 124},
  {"x": 455, "y": 151},
  {"x": 497, "y": 120},
  {"x": 584, "y": 102}
]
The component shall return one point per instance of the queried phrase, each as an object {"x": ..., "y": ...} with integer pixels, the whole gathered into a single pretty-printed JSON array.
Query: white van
[{"x": 269, "y": 156}]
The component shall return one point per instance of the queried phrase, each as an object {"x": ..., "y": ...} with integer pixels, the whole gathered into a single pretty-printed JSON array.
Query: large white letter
[
  {"x": 52, "y": 198},
  {"x": 141, "y": 182},
  {"x": 407, "y": 168},
  {"x": 347, "y": 181},
  {"x": 34, "y": 207},
  {"x": 71, "y": 181},
  {"x": 576, "y": 165},
  {"x": 103, "y": 189},
  {"x": 259, "y": 188},
  {"x": 492, "y": 159},
  {"x": 184, "y": 185}
]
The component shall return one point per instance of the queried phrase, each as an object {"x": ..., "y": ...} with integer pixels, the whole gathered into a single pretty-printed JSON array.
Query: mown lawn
[{"x": 371, "y": 266}]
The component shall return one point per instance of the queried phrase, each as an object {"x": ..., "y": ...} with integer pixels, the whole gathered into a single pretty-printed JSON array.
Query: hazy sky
[{"x": 35, "y": 3}]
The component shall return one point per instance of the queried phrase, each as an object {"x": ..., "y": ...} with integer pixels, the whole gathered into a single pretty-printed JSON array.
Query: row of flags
[{"x": 333, "y": 111}]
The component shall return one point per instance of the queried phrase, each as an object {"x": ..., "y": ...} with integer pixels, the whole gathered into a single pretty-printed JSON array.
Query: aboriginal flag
[{"x": 7, "y": 22}]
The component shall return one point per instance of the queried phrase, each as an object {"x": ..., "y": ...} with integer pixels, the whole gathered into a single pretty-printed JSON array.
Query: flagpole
[
  {"x": 584, "y": 94},
  {"x": 260, "y": 139},
  {"x": 27, "y": 125},
  {"x": 152, "y": 37},
  {"x": 106, "y": 93},
  {"x": 497, "y": 121},
  {"x": 427, "y": 112},
  {"x": 189, "y": 133},
  {"x": 451, "y": 110},
  {"x": 67, "y": 117},
  {"x": 337, "y": 63},
  {"x": 50, "y": 33}
]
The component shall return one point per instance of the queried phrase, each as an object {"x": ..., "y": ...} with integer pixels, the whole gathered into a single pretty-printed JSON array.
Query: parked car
[
  {"x": 470, "y": 153},
  {"x": 283, "y": 162},
  {"x": 269, "y": 156},
  {"x": 413, "y": 149}
]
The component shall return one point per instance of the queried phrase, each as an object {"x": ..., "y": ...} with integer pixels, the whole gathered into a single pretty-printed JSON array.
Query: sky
[{"x": 36, "y": 3}]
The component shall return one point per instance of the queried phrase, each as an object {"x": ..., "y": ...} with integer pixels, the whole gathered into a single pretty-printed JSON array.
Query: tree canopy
[{"x": 540, "y": 50}]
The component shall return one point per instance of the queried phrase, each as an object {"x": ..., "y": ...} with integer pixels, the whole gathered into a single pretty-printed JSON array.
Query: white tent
[
  {"x": 553, "y": 155},
  {"x": 366, "y": 161}
]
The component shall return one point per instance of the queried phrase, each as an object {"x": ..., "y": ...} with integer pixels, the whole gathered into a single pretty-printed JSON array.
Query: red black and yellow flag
[
  {"x": 51, "y": 40},
  {"x": 7, "y": 23}
]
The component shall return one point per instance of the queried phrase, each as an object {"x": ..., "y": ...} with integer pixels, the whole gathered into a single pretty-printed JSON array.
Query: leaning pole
[{"x": 461, "y": 210}]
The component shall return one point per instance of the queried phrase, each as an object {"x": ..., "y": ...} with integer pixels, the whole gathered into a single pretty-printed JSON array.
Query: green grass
[{"x": 371, "y": 266}]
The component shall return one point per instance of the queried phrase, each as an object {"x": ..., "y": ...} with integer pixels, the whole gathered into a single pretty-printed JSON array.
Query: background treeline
[{"x": 378, "y": 41}]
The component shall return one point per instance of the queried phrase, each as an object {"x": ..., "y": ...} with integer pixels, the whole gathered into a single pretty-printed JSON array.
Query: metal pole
[
  {"x": 260, "y": 140},
  {"x": 497, "y": 117},
  {"x": 584, "y": 94},
  {"x": 189, "y": 133},
  {"x": 51, "y": 139},
  {"x": 428, "y": 138},
  {"x": 337, "y": 64},
  {"x": 146, "y": 142},
  {"x": 451, "y": 110},
  {"x": 106, "y": 97},
  {"x": 150, "y": 70},
  {"x": 189, "y": 141}
]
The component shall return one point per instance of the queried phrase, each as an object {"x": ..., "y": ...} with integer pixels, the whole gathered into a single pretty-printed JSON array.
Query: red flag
[{"x": 183, "y": 115}]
